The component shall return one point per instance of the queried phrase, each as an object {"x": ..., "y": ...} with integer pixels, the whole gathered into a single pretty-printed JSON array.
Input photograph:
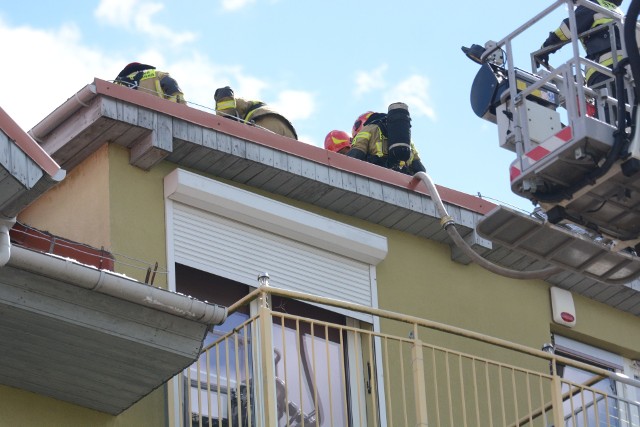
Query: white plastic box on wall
[{"x": 562, "y": 307}]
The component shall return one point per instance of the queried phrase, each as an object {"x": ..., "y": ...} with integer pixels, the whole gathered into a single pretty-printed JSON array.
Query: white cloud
[
  {"x": 199, "y": 78},
  {"x": 294, "y": 105},
  {"x": 116, "y": 12},
  {"x": 138, "y": 15},
  {"x": 30, "y": 94},
  {"x": 249, "y": 87},
  {"x": 231, "y": 5},
  {"x": 413, "y": 91},
  {"x": 199, "y": 87},
  {"x": 366, "y": 81},
  {"x": 44, "y": 69}
]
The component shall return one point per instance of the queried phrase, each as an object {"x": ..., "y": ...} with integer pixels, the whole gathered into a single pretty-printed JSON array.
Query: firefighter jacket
[
  {"x": 374, "y": 144},
  {"x": 154, "y": 82},
  {"x": 256, "y": 112},
  {"x": 597, "y": 44}
]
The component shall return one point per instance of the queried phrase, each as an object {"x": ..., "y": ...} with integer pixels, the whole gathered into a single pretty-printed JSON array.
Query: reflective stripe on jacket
[
  {"x": 586, "y": 19},
  {"x": 156, "y": 83},
  {"x": 251, "y": 111}
]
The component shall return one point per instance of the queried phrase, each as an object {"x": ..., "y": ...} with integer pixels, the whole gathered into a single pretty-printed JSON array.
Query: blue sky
[{"x": 321, "y": 63}]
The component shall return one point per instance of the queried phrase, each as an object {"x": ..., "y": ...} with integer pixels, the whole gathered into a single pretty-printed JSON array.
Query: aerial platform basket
[{"x": 577, "y": 148}]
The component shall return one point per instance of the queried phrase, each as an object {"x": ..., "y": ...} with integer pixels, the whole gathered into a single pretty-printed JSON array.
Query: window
[
  {"x": 589, "y": 400},
  {"x": 219, "y": 238},
  {"x": 311, "y": 365},
  {"x": 585, "y": 407},
  {"x": 215, "y": 383},
  {"x": 309, "y": 357}
]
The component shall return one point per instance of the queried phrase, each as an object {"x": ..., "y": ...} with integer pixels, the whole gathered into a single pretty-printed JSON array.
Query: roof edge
[
  {"x": 30, "y": 147},
  {"x": 63, "y": 112},
  {"x": 287, "y": 145},
  {"x": 117, "y": 286}
]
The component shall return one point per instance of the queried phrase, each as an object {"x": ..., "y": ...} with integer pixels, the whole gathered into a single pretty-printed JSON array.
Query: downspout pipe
[
  {"x": 117, "y": 286},
  {"x": 447, "y": 223},
  {"x": 5, "y": 240}
]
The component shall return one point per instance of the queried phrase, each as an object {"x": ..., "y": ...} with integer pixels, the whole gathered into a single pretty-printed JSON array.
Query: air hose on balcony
[
  {"x": 449, "y": 226},
  {"x": 297, "y": 418}
]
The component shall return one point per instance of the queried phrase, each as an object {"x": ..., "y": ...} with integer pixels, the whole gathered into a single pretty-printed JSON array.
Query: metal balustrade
[{"x": 278, "y": 369}]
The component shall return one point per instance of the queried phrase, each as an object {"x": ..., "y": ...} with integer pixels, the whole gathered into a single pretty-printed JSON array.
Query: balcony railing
[{"x": 277, "y": 369}]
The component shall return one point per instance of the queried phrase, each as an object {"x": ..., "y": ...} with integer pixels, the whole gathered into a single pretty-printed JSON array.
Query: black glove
[
  {"x": 223, "y": 92},
  {"x": 417, "y": 166},
  {"x": 542, "y": 59},
  {"x": 401, "y": 169},
  {"x": 357, "y": 154}
]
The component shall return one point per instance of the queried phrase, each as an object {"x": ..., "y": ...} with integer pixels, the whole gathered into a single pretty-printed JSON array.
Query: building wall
[
  {"x": 419, "y": 278},
  {"x": 467, "y": 296},
  {"x": 107, "y": 202},
  {"x": 102, "y": 202},
  {"x": 603, "y": 326},
  {"x": 22, "y": 408},
  {"x": 137, "y": 223},
  {"x": 78, "y": 207}
]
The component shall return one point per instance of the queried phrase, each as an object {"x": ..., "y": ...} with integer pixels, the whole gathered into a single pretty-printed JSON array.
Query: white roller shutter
[{"x": 234, "y": 249}]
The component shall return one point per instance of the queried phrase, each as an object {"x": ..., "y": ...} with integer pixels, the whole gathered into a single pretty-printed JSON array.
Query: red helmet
[
  {"x": 336, "y": 140},
  {"x": 360, "y": 122}
]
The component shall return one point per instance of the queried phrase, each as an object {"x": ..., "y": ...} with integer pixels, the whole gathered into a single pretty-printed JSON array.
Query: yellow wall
[
  {"x": 137, "y": 220},
  {"x": 107, "y": 202},
  {"x": 418, "y": 278},
  {"x": 78, "y": 207},
  {"x": 603, "y": 326},
  {"x": 20, "y": 408},
  {"x": 102, "y": 202}
]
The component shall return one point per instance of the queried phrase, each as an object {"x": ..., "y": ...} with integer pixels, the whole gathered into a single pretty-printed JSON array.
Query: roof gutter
[
  {"x": 79, "y": 100},
  {"x": 5, "y": 239},
  {"x": 117, "y": 286}
]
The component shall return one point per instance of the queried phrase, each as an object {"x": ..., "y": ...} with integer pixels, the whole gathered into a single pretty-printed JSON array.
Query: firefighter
[
  {"x": 254, "y": 112},
  {"x": 146, "y": 78},
  {"x": 597, "y": 45},
  {"x": 338, "y": 141},
  {"x": 370, "y": 143}
]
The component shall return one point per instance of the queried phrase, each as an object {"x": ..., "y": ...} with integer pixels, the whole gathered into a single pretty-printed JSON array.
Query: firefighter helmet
[
  {"x": 337, "y": 140},
  {"x": 133, "y": 67},
  {"x": 359, "y": 123}
]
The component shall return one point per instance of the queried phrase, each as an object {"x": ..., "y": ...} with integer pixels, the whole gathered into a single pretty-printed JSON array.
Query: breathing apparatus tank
[{"x": 399, "y": 133}]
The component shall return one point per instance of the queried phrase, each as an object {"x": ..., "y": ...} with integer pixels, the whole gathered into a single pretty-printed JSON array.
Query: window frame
[{"x": 217, "y": 198}]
